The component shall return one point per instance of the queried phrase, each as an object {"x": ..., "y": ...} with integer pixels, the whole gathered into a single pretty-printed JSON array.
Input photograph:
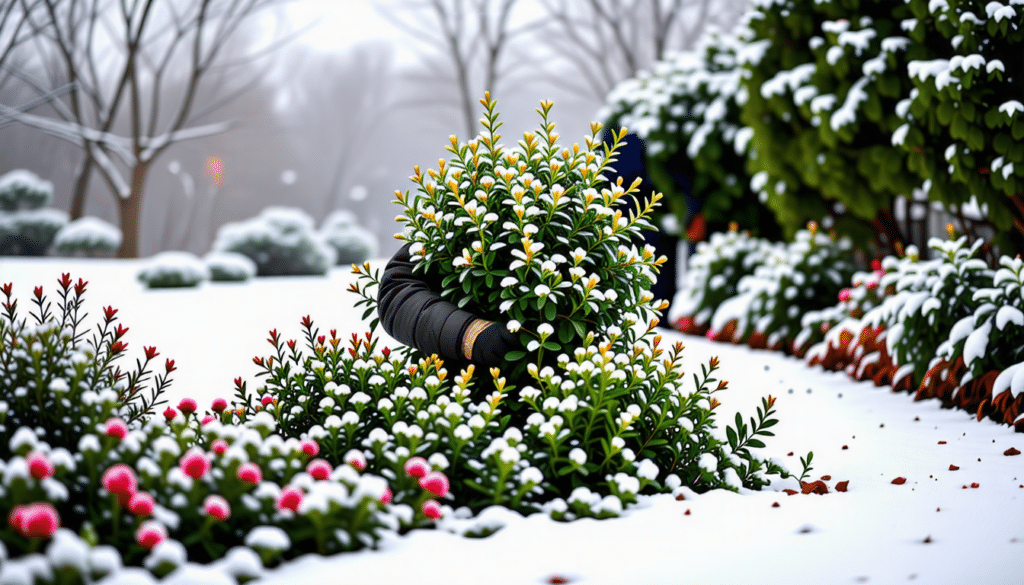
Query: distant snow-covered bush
[
  {"x": 22, "y": 189},
  {"x": 229, "y": 266},
  {"x": 281, "y": 241},
  {"x": 353, "y": 243},
  {"x": 173, "y": 270},
  {"x": 29, "y": 232},
  {"x": 802, "y": 276},
  {"x": 88, "y": 236},
  {"x": 713, "y": 275}
]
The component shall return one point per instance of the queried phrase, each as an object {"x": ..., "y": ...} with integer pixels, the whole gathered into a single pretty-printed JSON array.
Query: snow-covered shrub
[
  {"x": 281, "y": 241},
  {"x": 526, "y": 236},
  {"x": 531, "y": 236},
  {"x": 353, "y": 243},
  {"x": 29, "y": 232},
  {"x": 687, "y": 111},
  {"x": 824, "y": 81},
  {"x": 173, "y": 270},
  {"x": 802, "y": 276},
  {"x": 990, "y": 339},
  {"x": 22, "y": 189},
  {"x": 88, "y": 236},
  {"x": 229, "y": 267},
  {"x": 713, "y": 275},
  {"x": 85, "y": 462},
  {"x": 863, "y": 294},
  {"x": 930, "y": 297},
  {"x": 964, "y": 119}
]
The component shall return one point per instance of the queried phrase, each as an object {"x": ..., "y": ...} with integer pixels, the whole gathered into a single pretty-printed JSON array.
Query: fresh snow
[{"x": 924, "y": 531}]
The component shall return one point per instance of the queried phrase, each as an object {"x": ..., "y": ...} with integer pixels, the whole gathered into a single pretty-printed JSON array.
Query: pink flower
[
  {"x": 150, "y": 534},
  {"x": 267, "y": 399},
  {"x": 187, "y": 406},
  {"x": 195, "y": 463},
  {"x": 220, "y": 446},
  {"x": 170, "y": 413},
  {"x": 38, "y": 520},
  {"x": 356, "y": 459},
  {"x": 871, "y": 284},
  {"x": 217, "y": 507},
  {"x": 876, "y": 265},
  {"x": 290, "y": 498},
  {"x": 309, "y": 447},
  {"x": 219, "y": 405},
  {"x": 39, "y": 466},
  {"x": 208, "y": 419},
  {"x": 120, "y": 480},
  {"x": 142, "y": 504},
  {"x": 319, "y": 469},
  {"x": 844, "y": 295},
  {"x": 15, "y": 517},
  {"x": 431, "y": 509},
  {"x": 250, "y": 473},
  {"x": 117, "y": 428},
  {"x": 387, "y": 496},
  {"x": 417, "y": 467},
  {"x": 712, "y": 335},
  {"x": 436, "y": 483}
]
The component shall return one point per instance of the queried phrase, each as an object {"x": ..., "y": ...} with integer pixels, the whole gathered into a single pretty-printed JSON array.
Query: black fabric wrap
[
  {"x": 492, "y": 344},
  {"x": 412, "y": 311}
]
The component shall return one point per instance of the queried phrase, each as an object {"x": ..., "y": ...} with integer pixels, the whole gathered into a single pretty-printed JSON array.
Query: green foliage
[
  {"x": 531, "y": 236},
  {"x": 89, "y": 236},
  {"x": 974, "y": 87},
  {"x": 931, "y": 296},
  {"x": 688, "y": 113},
  {"x": 824, "y": 89},
  {"x": 229, "y": 267},
  {"x": 992, "y": 337}
]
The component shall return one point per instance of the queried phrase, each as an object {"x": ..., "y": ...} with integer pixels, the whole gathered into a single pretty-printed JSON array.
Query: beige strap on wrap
[{"x": 472, "y": 332}]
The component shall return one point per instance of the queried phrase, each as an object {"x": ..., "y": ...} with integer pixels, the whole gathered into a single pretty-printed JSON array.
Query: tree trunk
[
  {"x": 130, "y": 213},
  {"x": 81, "y": 189}
]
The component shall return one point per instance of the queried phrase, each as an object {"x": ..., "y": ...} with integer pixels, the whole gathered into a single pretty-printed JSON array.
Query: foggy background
[{"x": 330, "y": 103}]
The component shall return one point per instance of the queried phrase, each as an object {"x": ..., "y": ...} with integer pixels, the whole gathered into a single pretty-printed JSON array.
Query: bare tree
[
  {"x": 468, "y": 42},
  {"x": 607, "y": 41},
  {"x": 120, "y": 57}
]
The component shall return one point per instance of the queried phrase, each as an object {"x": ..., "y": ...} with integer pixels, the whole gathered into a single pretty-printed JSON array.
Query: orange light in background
[{"x": 215, "y": 166}]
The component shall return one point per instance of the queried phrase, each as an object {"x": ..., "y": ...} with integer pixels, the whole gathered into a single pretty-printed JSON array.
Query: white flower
[
  {"x": 351, "y": 417},
  {"x": 360, "y": 398},
  {"x": 333, "y": 422},
  {"x": 628, "y": 454},
  {"x": 513, "y": 325},
  {"x": 545, "y": 329},
  {"x": 477, "y": 421},
  {"x": 385, "y": 404},
  {"x": 542, "y": 290},
  {"x": 509, "y": 455},
  {"x": 377, "y": 435},
  {"x": 578, "y": 456},
  {"x": 550, "y": 403},
  {"x": 463, "y": 432},
  {"x": 618, "y": 443},
  {"x": 509, "y": 281},
  {"x": 326, "y": 402}
]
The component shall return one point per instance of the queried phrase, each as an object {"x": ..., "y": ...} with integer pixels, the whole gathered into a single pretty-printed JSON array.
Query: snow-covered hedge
[
  {"x": 281, "y": 241},
  {"x": 88, "y": 236},
  {"x": 172, "y": 270},
  {"x": 964, "y": 119},
  {"x": 947, "y": 328},
  {"x": 29, "y": 232},
  {"x": 229, "y": 267},
  {"x": 353, "y": 243},
  {"x": 687, "y": 111},
  {"x": 23, "y": 189}
]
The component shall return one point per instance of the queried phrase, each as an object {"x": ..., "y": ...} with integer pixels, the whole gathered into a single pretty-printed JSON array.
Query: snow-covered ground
[{"x": 934, "y": 528}]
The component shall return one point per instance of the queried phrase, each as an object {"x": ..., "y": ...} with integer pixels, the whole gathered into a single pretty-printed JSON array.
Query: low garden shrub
[
  {"x": 593, "y": 410},
  {"x": 229, "y": 267},
  {"x": 88, "y": 236},
  {"x": 352, "y": 243},
  {"x": 27, "y": 228},
  {"x": 93, "y": 472},
  {"x": 173, "y": 270},
  {"x": 281, "y": 241}
]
